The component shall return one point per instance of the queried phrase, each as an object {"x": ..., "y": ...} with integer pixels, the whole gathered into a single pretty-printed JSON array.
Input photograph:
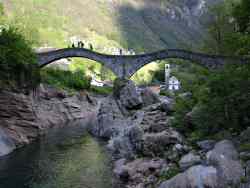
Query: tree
[
  {"x": 225, "y": 37},
  {"x": 220, "y": 29},
  {"x": 18, "y": 63},
  {"x": 1, "y": 9},
  {"x": 241, "y": 12}
]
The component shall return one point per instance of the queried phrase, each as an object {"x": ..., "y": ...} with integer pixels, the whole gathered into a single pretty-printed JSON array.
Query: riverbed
[{"x": 65, "y": 157}]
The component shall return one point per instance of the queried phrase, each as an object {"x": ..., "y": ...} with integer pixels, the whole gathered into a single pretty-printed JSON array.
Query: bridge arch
[{"x": 127, "y": 65}]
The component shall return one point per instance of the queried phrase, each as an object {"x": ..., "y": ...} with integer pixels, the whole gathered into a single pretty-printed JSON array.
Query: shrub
[
  {"x": 18, "y": 63},
  {"x": 65, "y": 79}
]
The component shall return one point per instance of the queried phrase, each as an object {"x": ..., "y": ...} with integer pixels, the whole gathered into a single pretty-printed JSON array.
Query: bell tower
[{"x": 167, "y": 75}]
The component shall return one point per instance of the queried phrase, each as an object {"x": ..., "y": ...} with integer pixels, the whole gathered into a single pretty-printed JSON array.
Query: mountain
[
  {"x": 142, "y": 25},
  {"x": 109, "y": 25}
]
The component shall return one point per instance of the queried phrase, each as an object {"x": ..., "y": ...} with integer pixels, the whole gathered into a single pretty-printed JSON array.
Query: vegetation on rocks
[{"x": 65, "y": 79}]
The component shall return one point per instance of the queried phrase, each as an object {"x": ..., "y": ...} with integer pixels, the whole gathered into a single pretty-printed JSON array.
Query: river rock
[
  {"x": 155, "y": 144},
  {"x": 189, "y": 160},
  {"x": 120, "y": 171},
  {"x": 141, "y": 172},
  {"x": 194, "y": 177},
  {"x": 149, "y": 97},
  {"x": 167, "y": 105},
  {"x": 224, "y": 158},
  {"x": 206, "y": 145}
]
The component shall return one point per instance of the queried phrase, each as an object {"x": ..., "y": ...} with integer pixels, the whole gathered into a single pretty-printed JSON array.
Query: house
[
  {"x": 96, "y": 83},
  {"x": 173, "y": 84}
]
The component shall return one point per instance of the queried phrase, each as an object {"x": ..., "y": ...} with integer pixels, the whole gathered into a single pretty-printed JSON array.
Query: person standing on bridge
[
  {"x": 91, "y": 47},
  {"x": 80, "y": 44}
]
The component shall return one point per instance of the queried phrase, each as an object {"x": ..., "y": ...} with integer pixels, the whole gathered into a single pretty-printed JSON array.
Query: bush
[
  {"x": 65, "y": 79},
  {"x": 18, "y": 63}
]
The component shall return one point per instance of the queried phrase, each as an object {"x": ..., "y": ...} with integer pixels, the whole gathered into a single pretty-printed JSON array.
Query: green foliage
[
  {"x": 229, "y": 29},
  {"x": 222, "y": 103},
  {"x": 242, "y": 14},
  {"x": 169, "y": 173},
  {"x": 65, "y": 79},
  {"x": 227, "y": 98},
  {"x": 102, "y": 90},
  {"x": 245, "y": 147},
  {"x": 18, "y": 65},
  {"x": 181, "y": 108}
]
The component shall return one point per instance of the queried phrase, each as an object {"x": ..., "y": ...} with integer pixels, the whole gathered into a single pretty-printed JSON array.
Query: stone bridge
[{"x": 127, "y": 65}]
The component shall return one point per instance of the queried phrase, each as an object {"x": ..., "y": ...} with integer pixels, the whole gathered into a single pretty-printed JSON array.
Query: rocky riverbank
[
  {"x": 23, "y": 117},
  {"x": 149, "y": 153}
]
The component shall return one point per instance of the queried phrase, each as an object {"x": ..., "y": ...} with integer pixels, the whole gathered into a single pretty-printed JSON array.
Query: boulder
[
  {"x": 155, "y": 144},
  {"x": 149, "y": 97},
  {"x": 245, "y": 135},
  {"x": 120, "y": 171},
  {"x": 167, "y": 105},
  {"x": 206, "y": 145},
  {"x": 126, "y": 93},
  {"x": 189, "y": 160},
  {"x": 224, "y": 158},
  {"x": 141, "y": 171},
  {"x": 195, "y": 177},
  {"x": 109, "y": 120}
]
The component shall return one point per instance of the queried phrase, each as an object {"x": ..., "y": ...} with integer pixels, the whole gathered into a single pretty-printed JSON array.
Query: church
[{"x": 172, "y": 83}]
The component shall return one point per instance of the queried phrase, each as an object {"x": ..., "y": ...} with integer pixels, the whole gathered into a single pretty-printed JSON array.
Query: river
[{"x": 66, "y": 157}]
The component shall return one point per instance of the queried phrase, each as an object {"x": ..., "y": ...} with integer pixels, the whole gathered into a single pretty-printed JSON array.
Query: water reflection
[{"x": 65, "y": 158}]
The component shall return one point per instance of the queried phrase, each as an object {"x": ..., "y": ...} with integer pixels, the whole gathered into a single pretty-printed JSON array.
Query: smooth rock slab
[
  {"x": 6, "y": 144},
  {"x": 206, "y": 145},
  {"x": 224, "y": 158},
  {"x": 195, "y": 177},
  {"x": 189, "y": 160}
]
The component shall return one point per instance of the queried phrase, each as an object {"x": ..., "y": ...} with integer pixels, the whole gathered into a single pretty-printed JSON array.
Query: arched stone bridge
[{"x": 127, "y": 65}]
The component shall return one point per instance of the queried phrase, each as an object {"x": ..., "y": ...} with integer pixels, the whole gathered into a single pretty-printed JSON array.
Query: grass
[{"x": 101, "y": 90}]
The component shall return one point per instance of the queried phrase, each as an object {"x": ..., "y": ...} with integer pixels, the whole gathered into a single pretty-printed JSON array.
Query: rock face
[
  {"x": 24, "y": 117},
  {"x": 127, "y": 94}
]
